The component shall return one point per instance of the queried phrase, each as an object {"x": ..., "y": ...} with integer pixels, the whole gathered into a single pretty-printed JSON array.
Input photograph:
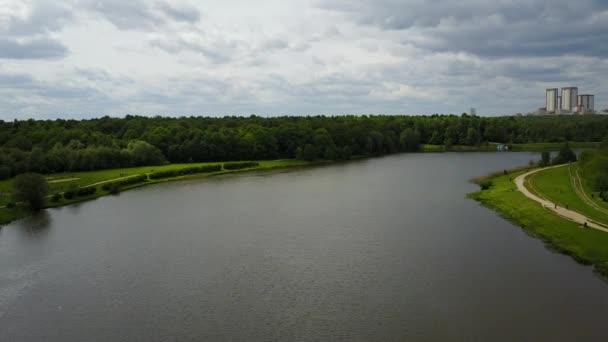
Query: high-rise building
[
  {"x": 473, "y": 111},
  {"x": 551, "y": 102},
  {"x": 559, "y": 104},
  {"x": 569, "y": 99},
  {"x": 586, "y": 103}
]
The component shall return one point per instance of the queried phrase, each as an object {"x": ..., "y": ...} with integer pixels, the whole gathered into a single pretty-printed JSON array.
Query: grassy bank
[
  {"x": 561, "y": 185},
  {"x": 531, "y": 147},
  {"x": 59, "y": 183},
  {"x": 587, "y": 246}
]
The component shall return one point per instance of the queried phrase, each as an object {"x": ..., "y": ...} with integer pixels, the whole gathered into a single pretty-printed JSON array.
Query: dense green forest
[{"x": 80, "y": 145}]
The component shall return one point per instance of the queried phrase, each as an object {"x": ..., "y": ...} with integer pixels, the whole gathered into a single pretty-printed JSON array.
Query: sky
[{"x": 90, "y": 58}]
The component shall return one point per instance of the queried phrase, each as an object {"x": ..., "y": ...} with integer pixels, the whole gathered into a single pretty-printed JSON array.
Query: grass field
[
  {"x": 558, "y": 186},
  {"x": 83, "y": 179},
  {"x": 587, "y": 246}
]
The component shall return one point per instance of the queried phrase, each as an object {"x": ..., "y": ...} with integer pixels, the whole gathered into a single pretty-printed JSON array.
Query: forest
[{"x": 46, "y": 146}]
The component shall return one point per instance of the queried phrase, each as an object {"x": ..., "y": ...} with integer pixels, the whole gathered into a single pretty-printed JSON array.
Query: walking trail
[{"x": 563, "y": 212}]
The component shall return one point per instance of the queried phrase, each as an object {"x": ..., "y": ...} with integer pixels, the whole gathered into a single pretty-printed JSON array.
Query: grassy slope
[
  {"x": 555, "y": 185},
  {"x": 587, "y": 246},
  {"x": 92, "y": 177}
]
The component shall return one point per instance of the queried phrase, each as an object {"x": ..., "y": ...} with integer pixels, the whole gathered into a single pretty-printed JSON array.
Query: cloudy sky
[{"x": 88, "y": 58}]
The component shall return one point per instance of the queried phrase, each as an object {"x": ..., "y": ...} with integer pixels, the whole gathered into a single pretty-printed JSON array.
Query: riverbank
[
  {"x": 487, "y": 147},
  {"x": 60, "y": 183},
  {"x": 587, "y": 246}
]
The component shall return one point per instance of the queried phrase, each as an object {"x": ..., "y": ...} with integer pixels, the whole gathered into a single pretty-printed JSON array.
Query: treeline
[{"x": 80, "y": 145}]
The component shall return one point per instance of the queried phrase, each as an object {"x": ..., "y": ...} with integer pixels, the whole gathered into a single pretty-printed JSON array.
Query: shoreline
[
  {"x": 584, "y": 245},
  {"x": 8, "y": 216}
]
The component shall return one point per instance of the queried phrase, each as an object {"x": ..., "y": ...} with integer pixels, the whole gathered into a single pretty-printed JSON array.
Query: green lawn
[
  {"x": 588, "y": 246},
  {"x": 556, "y": 185},
  {"x": 88, "y": 178}
]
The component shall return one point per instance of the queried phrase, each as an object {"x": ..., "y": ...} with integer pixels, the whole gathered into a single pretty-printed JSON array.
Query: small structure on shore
[{"x": 502, "y": 147}]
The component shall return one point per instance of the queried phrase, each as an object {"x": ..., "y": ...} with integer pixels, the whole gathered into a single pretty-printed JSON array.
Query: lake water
[{"x": 385, "y": 249}]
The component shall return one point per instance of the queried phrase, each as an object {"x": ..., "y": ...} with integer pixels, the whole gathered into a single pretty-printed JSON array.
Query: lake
[{"x": 384, "y": 249}]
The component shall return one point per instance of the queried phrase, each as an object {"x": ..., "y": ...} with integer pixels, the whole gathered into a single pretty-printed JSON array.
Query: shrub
[
  {"x": 86, "y": 191},
  {"x": 71, "y": 192},
  {"x": 240, "y": 165},
  {"x": 10, "y": 205},
  {"x": 186, "y": 171},
  {"x": 114, "y": 188},
  {"x": 126, "y": 182},
  {"x": 485, "y": 184},
  {"x": 55, "y": 198}
]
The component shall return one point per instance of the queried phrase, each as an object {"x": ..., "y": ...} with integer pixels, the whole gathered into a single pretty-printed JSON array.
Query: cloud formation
[{"x": 82, "y": 58}]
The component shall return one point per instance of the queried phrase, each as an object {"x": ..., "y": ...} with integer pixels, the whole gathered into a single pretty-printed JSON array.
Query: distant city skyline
[
  {"x": 567, "y": 102},
  {"x": 85, "y": 58}
]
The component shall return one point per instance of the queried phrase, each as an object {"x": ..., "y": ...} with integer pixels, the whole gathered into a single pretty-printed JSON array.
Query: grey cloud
[
  {"x": 139, "y": 14},
  {"x": 489, "y": 28},
  {"x": 184, "y": 13},
  {"x": 28, "y": 37},
  {"x": 275, "y": 44},
  {"x": 218, "y": 52},
  {"x": 42, "y": 48},
  {"x": 44, "y": 17}
]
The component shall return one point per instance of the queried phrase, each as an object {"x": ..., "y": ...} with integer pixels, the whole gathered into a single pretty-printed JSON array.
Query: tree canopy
[
  {"x": 79, "y": 145},
  {"x": 31, "y": 188}
]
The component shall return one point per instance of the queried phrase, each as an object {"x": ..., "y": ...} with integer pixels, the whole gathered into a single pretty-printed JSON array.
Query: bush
[
  {"x": 55, "y": 198},
  {"x": 10, "y": 205},
  {"x": 71, "y": 192},
  {"x": 186, "y": 171},
  {"x": 240, "y": 165},
  {"x": 86, "y": 191},
  {"x": 126, "y": 182},
  {"x": 485, "y": 184},
  {"x": 114, "y": 188}
]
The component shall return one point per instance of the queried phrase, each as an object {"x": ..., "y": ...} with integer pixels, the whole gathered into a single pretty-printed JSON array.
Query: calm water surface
[{"x": 384, "y": 249}]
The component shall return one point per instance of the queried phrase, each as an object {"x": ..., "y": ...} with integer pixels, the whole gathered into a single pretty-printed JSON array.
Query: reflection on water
[{"x": 35, "y": 226}]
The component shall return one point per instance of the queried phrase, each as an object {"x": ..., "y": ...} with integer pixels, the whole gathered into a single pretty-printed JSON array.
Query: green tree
[
  {"x": 409, "y": 140},
  {"x": 565, "y": 155},
  {"x": 545, "y": 158},
  {"x": 31, "y": 188},
  {"x": 308, "y": 153},
  {"x": 145, "y": 154},
  {"x": 473, "y": 137}
]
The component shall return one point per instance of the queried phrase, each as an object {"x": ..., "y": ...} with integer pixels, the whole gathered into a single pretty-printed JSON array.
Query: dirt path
[
  {"x": 63, "y": 180},
  {"x": 577, "y": 184},
  {"x": 563, "y": 212}
]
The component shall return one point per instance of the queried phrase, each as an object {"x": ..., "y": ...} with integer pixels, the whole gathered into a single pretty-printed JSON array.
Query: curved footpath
[{"x": 563, "y": 212}]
